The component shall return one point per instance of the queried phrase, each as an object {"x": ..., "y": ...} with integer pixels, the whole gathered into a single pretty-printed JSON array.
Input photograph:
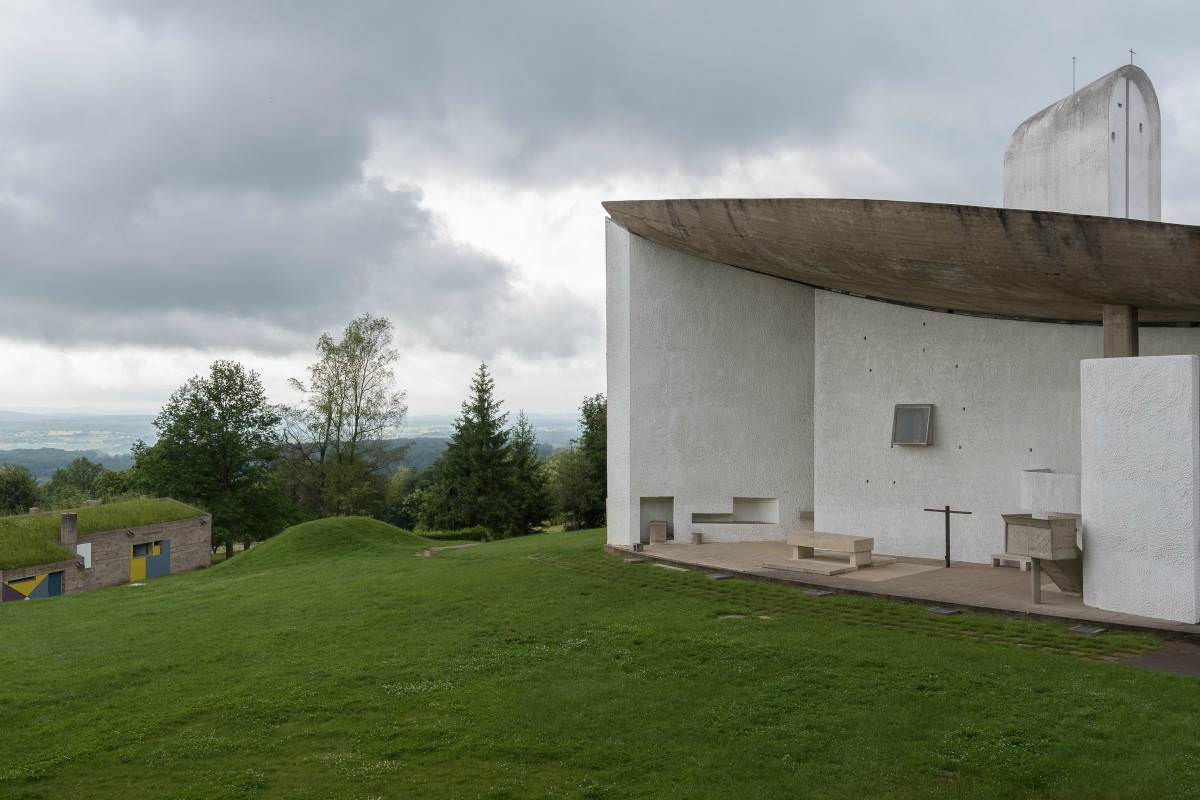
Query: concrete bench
[{"x": 805, "y": 543}]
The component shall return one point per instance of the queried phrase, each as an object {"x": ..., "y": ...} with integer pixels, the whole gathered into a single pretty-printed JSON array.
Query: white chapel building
[{"x": 844, "y": 364}]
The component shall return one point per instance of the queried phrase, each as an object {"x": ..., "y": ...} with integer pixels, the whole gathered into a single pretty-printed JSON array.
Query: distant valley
[{"x": 45, "y": 442}]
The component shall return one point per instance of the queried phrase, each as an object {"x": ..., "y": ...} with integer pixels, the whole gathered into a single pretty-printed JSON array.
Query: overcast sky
[{"x": 184, "y": 181}]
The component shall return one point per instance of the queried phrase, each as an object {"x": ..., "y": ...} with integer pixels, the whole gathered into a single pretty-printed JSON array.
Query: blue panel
[
  {"x": 54, "y": 584},
  {"x": 160, "y": 565},
  {"x": 42, "y": 590}
]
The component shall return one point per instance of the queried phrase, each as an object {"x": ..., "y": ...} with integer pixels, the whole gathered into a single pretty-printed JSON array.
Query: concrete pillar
[
  {"x": 68, "y": 530},
  {"x": 1120, "y": 331}
]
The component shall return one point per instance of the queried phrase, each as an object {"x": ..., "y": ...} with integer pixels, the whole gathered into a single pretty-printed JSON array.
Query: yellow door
[{"x": 137, "y": 567}]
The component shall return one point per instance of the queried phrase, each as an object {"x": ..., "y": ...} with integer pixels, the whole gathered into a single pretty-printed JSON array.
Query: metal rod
[
  {"x": 947, "y": 511},
  {"x": 947, "y": 537}
]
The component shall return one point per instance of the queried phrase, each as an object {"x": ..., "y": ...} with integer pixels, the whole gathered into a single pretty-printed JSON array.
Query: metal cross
[
  {"x": 1072, "y": 74},
  {"x": 1131, "y": 55},
  {"x": 947, "y": 511}
]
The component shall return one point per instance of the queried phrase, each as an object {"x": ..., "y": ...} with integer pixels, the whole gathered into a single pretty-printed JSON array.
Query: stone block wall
[{"x": 190, "y": 548}]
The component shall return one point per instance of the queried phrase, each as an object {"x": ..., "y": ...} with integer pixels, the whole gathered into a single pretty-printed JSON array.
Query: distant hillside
[
  {"x": 424, "y": 450},
  {"x": 42, "y": 461}
]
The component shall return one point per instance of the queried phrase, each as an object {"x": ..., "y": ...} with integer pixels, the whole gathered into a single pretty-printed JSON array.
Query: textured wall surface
[
  {"x": 1141, "y": 443},
  {"x": 623, "y": 514},
  {"x": 1091, "y": 151},
  {"x": 1006, "y": 397},
  {"x": 1043, "y": 492},
  {"x": 720, "y": 361}
]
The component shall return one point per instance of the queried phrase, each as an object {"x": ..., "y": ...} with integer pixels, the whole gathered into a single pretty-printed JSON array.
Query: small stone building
[{"x": 113, "y": 557}]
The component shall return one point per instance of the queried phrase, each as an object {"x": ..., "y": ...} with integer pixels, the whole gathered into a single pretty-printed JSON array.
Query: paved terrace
[{"x": 977, "y": 587}]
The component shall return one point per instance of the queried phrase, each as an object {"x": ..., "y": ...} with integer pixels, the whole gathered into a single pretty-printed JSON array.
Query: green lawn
[
  {"x": 27, "y": 539},
  {"x": 334, "y": 662}
]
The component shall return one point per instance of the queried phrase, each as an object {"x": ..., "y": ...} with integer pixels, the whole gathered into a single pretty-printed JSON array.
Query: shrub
[{"x": 476, "y": 533}]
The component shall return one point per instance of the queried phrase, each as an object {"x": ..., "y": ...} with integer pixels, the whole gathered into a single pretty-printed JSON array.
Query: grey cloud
[
  {"x": 266, "y": 273},
  {"x": 173, "y": 185},
  {"x": 193, "y": 173},
  {"x": 542, "y": 92}
]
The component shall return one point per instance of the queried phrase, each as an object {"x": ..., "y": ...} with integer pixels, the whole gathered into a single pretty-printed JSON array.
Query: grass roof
[{"x": 28, "y": 539}]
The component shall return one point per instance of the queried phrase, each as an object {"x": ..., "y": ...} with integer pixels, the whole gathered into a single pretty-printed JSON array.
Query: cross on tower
[{"x": 1132, "y": 53}]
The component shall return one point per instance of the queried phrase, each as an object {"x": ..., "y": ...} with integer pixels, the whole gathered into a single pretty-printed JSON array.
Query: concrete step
[{"x": 820, "y": 566}]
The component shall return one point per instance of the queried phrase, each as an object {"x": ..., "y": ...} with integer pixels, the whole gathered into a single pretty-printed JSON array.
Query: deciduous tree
[
  {"x": 74, "y": 483},
  {"x": 18, "y": 489},
  {"x": 218, "y": 441},
  {"x": 336, "y": 440}
]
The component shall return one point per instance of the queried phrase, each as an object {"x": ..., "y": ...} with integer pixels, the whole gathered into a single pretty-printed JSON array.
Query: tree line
[{"x": 259, "y": 467}]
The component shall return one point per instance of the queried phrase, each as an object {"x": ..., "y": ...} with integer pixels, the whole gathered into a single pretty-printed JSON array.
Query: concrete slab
[{"x": 963, "y": 585}]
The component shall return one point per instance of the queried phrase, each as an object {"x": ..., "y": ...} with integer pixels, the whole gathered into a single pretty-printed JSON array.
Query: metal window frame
[{"x": 928, "y": 407}]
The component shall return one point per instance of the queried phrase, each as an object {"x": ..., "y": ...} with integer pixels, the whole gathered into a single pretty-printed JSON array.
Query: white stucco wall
[
  {"x": 1080, "y": 154},
  {"x": 1006, "y": 397},
  {"x": 1141, "y": 505},
  {"x": 710, "y": 389},
  {"x": 1044, "y": 492}
]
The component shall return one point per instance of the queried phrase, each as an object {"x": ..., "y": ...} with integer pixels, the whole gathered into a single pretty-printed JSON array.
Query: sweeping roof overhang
[{"x": 971, "y": 259}]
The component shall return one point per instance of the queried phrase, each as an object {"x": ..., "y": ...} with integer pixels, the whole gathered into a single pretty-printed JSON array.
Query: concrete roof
[{"x": 971, "y": 259}]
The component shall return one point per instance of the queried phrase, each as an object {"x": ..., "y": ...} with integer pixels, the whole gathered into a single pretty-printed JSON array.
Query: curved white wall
[
  {"x": 720, "y": 363},
  {"x": 724, "y": 383},
  {"x": 1006, "y": 397}
]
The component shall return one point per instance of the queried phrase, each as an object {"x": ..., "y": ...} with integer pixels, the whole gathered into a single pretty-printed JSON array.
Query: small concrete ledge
[
  {"x": 820, "y": 566},
  {"x": 738, "y": 531}
]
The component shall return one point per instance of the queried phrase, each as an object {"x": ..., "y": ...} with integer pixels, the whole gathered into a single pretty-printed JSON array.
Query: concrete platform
[{"x": 979, "y": 587}]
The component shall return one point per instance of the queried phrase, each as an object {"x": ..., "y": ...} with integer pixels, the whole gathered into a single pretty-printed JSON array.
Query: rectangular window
[
  {"x": 140, "y": 550},
  {"x": 911, "y": 424}
]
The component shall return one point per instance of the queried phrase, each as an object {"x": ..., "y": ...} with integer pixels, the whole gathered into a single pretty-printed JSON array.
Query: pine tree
[
  {"x": 472, "y": 481},
  {"x": 580, "y": 472},
  {"x": 530, "y": 495},
  {"x": 593, "y": 447}
]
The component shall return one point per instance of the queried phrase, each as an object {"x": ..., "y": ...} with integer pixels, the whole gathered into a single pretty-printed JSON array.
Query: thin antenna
[
  {"x": 1132, "y": 53},
  {"x": 1072, "y": 74}
]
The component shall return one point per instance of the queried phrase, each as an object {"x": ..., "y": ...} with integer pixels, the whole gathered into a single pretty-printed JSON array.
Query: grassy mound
[
  {"x": 27, "y": 539},
  {"x": 325, "y": 539},
  {"x": 337, "y": 661}
]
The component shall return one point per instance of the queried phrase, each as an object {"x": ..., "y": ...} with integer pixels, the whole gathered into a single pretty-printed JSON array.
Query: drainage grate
[
  {"x": 942, "y": 611},
  {"x": 719, "y": 576},
  {"x": 634, "y": 560},
  {"x": 817, "y": 592},
  {"x": 1087, "y": 630}
]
